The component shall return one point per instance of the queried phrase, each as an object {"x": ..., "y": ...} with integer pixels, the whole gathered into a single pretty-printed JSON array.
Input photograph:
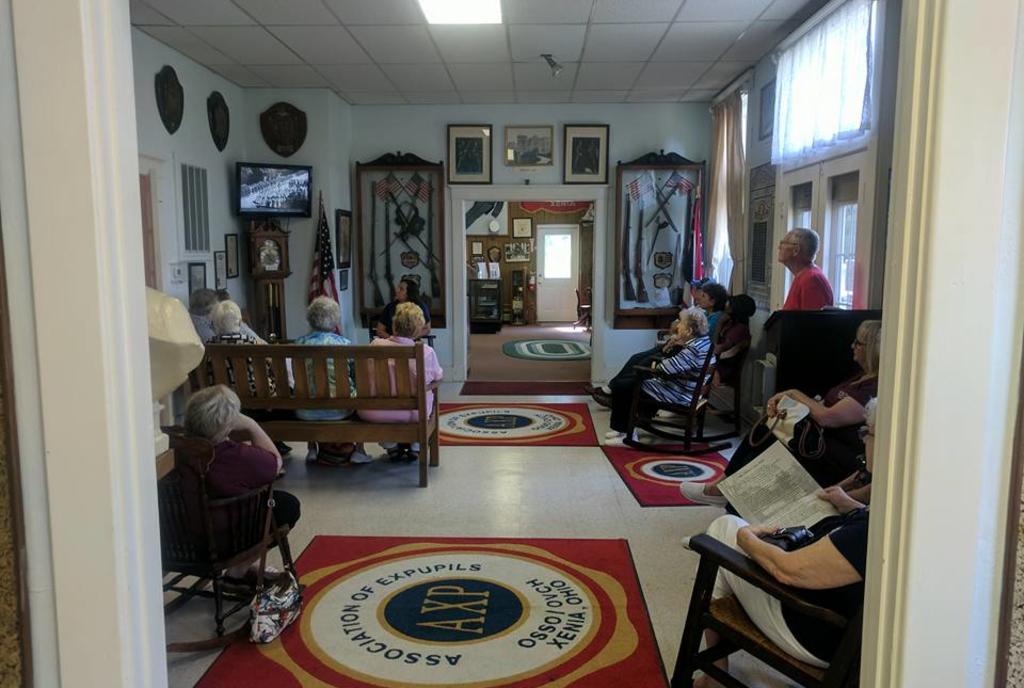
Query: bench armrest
[{"x": 747, "y": 569}]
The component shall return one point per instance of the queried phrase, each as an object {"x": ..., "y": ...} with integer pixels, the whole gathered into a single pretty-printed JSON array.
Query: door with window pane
[
  {"x": 841, "y": 244},
  {"x": 557, "y": 272}
]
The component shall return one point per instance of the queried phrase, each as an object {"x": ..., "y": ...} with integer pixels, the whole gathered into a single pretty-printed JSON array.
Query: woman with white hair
[
  {"x": 226, "y": 318},
  {"x": 681, "y": 371},
  {"x": 324, "y": 317}
]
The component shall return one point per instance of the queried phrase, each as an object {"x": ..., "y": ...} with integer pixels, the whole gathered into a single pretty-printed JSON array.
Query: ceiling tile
[
  {"x": 247, "y": 44},
  {"x": 654, "y": 96},
  {"x": 187, "y": 43},
  {"x": 615, "y": 11},
  {"x": 698, "y": 40},
  {"x": 758, "y": 40},
  {"x": 355, "y": 77},
  {"x": 608, "y": 75},
  {"x": 471, "y": 43},
  {"x": 437, "y": 98},
  {"x": 144, "y": 15},
  {"x": 545, "y": 11},
  {"x": 564, "y": 41},
  {"x": 240, "y": 75},
  {"x": 481, "y": 77},
  {"x": 289, "y": 76},
  {"x": 374, "y": 98},
  {"x": 377, "y": 11},
  {"x": 536, "y": 76},
  {"x": 700, "y": 95},
  {"x": 599, "y": 96},
  {"x": 663, "y": 76},
  {"x": 488, "y": 97},
  {"x": 419, "y": 78},
  {"x": 542, "y": 96},
  {"x": 202, "y": 12},
  {"x": 720, "y": 74},
  {"x": 276, "y": 12},
  {"x": 722, "y": 10},
  {"x": 622, "y": 42},
  {"x": 397, "y": 44},
  {"x": 321, "y": 44},
  {"x": 787, "y": 9}
]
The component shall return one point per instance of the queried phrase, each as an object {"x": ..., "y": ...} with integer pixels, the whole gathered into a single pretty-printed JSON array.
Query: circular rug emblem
[
  {"x": 673, "y": 471},
  {"x": 467, "y": 616},
  {"x": 547, "y": 349},
  {"x": 521, "y": 424}
]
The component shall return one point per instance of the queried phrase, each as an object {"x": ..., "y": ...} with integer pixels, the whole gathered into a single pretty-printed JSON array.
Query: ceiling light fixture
[
  {"x": 462, "y": 11},
  {"x": 556, "y": 68}
]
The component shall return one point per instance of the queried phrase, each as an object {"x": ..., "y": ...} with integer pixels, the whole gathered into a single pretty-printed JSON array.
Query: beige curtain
[{"x": 727, "y": 227}]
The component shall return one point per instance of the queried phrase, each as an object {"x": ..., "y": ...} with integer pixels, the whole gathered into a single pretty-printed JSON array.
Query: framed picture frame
[
  {"x": 517, "y": 252},
  {"x": 585, "y": 158},
  {"x": 522, "y": 228},
  {"x": 196, "y": 276},
  {"x": 343, "y": 237},
  {"x": 477, "y": 248},
  {"x": 343, "y": 279},
  {"x": 493, "y": 254},
  {"x": 220, "y": 269},
  {"x": 469, "y": 153},
  {"x": 529, "y": 146},
  {"x": 766, "y": 120},
  {"x": 231, "y": 255}
]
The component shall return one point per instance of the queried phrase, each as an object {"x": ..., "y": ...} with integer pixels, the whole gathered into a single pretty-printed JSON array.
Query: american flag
[
  {"x": 698, "y": 233},
  {"x": 389, "y": 185},
  {"x": 678, "y": 181},
  {"x": 321, "y": 281},
  {"x": 642, "y": 187},
  {"x": 418, "y": 187}
]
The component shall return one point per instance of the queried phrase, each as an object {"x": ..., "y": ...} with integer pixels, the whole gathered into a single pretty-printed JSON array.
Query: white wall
[
  {"x": 191, "y": 144},
  {"x": 683, "y": 128}
]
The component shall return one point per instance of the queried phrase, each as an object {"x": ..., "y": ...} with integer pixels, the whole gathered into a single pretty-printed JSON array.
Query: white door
[{"x": 558, "y": 248}]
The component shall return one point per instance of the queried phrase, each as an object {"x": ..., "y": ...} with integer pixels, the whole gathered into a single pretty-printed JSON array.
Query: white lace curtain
[{"x": 823, "y": 85}]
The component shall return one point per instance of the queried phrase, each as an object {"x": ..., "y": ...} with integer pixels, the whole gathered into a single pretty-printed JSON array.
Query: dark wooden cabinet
[{"x": 484, "y": 305}]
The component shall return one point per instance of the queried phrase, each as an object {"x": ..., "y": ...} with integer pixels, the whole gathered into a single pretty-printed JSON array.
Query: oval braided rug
[{"x": 547, "y": 349}]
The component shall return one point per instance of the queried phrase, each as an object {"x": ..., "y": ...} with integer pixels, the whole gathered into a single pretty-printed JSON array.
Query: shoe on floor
[
  {"x": 602, "y": 399},
  {"x": 686, "y": 541},
  {"x": 359, "y": 457},
  {"x": 407, "y": 456},
  {"x": 282, "y": 448},
  {"x": 614, "y": 434},
  {"x": 311, "y": 454},
  {"x": 695, "y": 493}
]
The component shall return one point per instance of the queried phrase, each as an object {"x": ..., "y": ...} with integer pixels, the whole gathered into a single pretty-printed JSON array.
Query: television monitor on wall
[{"x": 266, "y": 189}]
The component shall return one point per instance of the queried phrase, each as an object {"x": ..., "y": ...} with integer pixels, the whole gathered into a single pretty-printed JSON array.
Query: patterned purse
[{"x": 274, "y": 607}]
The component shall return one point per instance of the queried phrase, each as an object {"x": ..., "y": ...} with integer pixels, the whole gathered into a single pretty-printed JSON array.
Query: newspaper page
[{"x": 775, "y": 490}]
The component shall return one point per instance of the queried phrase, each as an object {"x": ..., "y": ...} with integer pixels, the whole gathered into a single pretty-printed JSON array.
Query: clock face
[
  {"x": 270, "y": 255},
  {"x": 494, "y": 226}
]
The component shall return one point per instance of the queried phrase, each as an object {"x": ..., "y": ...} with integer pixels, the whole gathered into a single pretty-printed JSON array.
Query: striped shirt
[{"x": 688, "y": 362}]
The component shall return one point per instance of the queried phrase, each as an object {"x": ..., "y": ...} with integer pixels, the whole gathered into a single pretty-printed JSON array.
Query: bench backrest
[{"x": 383, "y": 375}]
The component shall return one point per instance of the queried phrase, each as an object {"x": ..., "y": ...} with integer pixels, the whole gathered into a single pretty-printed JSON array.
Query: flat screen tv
[{"x": 276, "y": 190}]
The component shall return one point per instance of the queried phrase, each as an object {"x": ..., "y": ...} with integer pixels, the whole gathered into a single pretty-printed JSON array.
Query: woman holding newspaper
[{"x": 839, "y": 414}]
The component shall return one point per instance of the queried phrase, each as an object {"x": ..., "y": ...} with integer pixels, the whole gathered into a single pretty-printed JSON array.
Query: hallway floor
[
  {"x": 487, "y": 361},
  {"x": 570, "y": 492}
]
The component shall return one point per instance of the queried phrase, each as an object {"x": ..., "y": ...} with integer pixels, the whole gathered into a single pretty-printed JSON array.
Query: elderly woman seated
[
  {"x": 833, "y": 566},
  {"x": 407, "y": 324},
  {"x": 839, "y": 414},
  {"x": 681, "y": 372},
  {"x": 324, "y": 317},
  {"x": 200, "y": 306},
  {"x": 245, "y": 458}
]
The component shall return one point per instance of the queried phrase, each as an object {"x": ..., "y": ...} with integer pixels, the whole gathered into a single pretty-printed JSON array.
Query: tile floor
[{"x": 491, "y": 491}]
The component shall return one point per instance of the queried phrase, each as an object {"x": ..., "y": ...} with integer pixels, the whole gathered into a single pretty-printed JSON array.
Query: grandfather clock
[{"x": 268, "y": 265}]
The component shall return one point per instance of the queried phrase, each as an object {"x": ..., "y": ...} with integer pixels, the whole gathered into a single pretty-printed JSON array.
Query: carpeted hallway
[{"x": 488, "y": 361}]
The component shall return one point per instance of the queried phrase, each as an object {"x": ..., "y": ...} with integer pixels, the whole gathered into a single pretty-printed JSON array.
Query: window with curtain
[{"x": 823, "y": 96}]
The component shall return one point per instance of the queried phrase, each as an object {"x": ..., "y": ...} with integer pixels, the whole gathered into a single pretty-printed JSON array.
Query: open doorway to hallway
[{"x": 530, "y": 270}]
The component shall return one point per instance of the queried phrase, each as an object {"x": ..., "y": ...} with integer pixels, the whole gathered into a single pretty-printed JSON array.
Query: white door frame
[
  {"x": 455, "y": 220},
  {"x": 574, "y": 230}
]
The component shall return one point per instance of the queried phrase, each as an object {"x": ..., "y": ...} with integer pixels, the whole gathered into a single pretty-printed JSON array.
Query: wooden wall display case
[
  {"x": 400, "y": 219},
  {"x": 659, "y": 203}
]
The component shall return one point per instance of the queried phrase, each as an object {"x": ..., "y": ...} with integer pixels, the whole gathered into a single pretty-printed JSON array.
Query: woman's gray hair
[
  {"x": 201, "y": 301},
  {"x": 212, "y": 412},
  {"x": 324, "y": 314},
  {"x": 694, "y": 321},
  {"x": 226, "y": 318}
]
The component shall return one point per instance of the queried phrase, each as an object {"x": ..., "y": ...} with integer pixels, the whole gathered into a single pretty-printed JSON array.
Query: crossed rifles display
[{"x": 664, "y": 195}]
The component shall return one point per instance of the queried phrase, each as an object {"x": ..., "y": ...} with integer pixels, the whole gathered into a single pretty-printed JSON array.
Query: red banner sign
[{"x": 556, "y": 207}]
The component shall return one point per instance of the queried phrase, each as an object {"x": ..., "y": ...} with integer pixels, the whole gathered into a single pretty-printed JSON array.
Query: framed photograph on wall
[
  {"x": 469, "y": 154},
  {"x": 343, "y": 279},
  {"x": 766, "y": 121},
  {"x": 196, "y": 276},
  {"x": 231, "y": 251},
  {"x": 529, "y": 146},
  {"x": 478, "y": 248},
  {"x": 343, "y": 237},
  {"x": 220, "y": 270},
  {"x": 517, "y": 252},
  {"x": 585, "y": 159},
  {"x": 522, "y": 227}
]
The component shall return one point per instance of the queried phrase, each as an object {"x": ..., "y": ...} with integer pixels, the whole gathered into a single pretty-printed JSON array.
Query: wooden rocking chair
[{"x": 190, "y": 544}]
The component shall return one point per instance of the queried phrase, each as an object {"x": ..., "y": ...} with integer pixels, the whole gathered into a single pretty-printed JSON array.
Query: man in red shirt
[{"x": 810, "y": 290}]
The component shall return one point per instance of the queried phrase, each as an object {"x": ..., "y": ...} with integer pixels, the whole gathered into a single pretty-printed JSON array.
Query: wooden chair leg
[
  {"x": 435, "y": 447},
  {"x": 689, "y": 646},
  {"x": 218, "y": 601}
]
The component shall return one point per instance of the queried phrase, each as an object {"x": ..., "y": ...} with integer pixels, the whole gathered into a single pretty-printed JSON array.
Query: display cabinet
[
  {"x": 484, "y": 305},
  {"x": 400, "y": 219},
  {"x": 659, "y": 228}
]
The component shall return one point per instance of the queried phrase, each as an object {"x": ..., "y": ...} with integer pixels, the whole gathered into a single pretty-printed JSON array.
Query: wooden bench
[{"x": 375, "y": 367}]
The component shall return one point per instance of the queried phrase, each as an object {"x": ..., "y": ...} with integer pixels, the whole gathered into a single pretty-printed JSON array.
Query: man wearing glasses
[{"x": 810, "y": 290}]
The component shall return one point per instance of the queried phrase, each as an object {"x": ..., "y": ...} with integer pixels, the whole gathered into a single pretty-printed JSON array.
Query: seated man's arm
[{"x": 816, "y": 567}]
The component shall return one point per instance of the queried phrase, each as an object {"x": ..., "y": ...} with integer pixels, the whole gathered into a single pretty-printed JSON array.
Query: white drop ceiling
[{"x": 382, "y": 52}]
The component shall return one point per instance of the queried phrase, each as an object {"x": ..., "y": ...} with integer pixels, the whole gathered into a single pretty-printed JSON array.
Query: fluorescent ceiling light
[{"x": 462, "y": 11}]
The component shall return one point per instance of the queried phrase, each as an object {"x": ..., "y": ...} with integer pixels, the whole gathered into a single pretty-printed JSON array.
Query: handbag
[
  {"x": 276, "y": 606},
  {"x": 793, "y": 426}
]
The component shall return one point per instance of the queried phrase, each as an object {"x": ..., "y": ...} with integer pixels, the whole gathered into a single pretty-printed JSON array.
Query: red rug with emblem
[
  {"x": 654, "y": 478},
  {"x": 467, "y": 612},
  {"x": 552, "y": 425}
]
